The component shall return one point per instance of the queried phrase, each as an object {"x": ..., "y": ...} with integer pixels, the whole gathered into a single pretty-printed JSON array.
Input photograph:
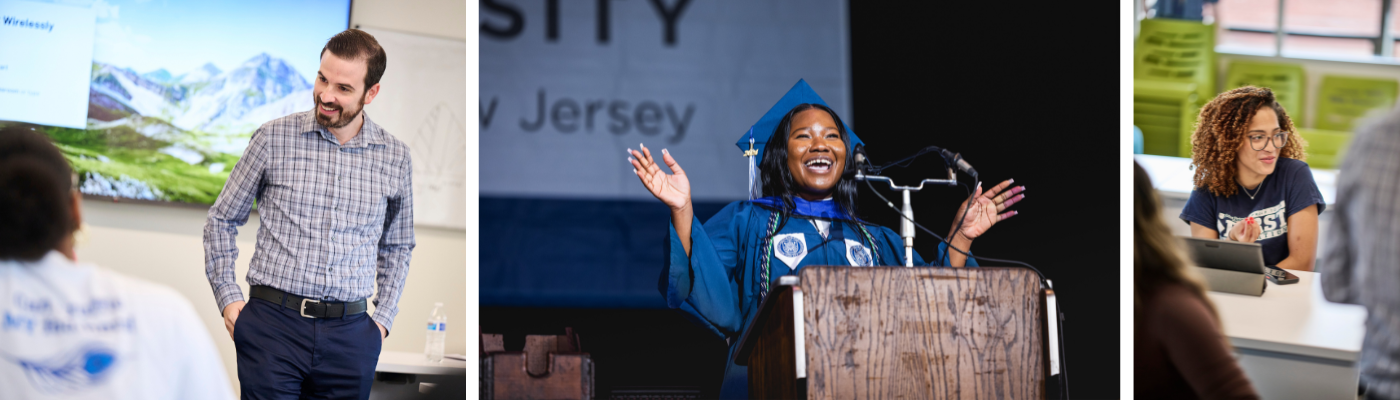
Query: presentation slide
[
  {"x": 156, "y": 100},
  {"x": 45, "y": 62}
]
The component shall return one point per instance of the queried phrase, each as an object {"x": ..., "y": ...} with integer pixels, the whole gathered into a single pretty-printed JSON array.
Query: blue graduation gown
[{"x": 717, "y": 286}]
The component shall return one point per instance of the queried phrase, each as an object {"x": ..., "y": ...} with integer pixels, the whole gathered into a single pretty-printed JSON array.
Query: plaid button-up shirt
[
  {"x": 1360, "y": 260},
  {"x": 335, "y": 219}
]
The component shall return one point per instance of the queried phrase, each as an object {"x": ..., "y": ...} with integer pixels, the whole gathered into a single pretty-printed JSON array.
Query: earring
[{"x": 80, "y": 236}]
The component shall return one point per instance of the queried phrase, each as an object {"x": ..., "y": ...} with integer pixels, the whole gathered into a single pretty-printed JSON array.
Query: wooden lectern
[
  {"x": 897, "y": 332},
  {"x": 551, "y": 367}
]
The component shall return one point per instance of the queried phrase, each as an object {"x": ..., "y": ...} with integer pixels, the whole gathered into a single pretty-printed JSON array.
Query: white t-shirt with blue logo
[
  {"x": 1285, "y": 192},
  {"x": 78, "y": 331}
]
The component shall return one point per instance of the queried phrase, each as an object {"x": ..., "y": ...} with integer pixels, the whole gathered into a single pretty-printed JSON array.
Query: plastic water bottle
[{"x": 437, "y": 334}]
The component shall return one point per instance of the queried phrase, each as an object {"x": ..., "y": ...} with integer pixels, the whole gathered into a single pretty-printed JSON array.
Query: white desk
[
  {"x": 415, "y": 363},
  {"x": 430, "y": 380},
  {"x": 1292, "y": 342},
  {"x": 1172, "y": 177}
]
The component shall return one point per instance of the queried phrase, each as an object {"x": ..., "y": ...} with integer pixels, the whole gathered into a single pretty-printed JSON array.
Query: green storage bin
[
  {"x": 1146, "y": 108},
  {"x": 1343, "y": 100},
  {"x": 1286, "y": 80},
  {"x": 1159, "y": 140},
  {"x": 1160, "y": 120},
  {"x": 1325, "y": 148},
  {"x": 1166, "y": 113},
  {"x": 1189, "y": 113},
  {"x": 1176, "y": 51}
]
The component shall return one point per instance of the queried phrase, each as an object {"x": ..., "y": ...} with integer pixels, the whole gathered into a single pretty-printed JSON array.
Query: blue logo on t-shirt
[
  {"x": 86, "y": 367},
  {"x": 790, "y": 247}
]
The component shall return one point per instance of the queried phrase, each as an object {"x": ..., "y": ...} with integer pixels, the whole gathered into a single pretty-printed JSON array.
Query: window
[
  {"x": 1245, "y": 26},
  {"x": 1332, "y": 29}
]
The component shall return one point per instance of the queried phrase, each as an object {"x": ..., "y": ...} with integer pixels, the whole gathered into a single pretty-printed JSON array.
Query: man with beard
[{"x": 335, "y": 203}]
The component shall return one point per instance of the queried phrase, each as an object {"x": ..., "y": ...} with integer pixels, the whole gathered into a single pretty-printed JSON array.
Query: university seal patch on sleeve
[
  {"x": 791, "y": 248},
  {"x": 858, "y": 254}
]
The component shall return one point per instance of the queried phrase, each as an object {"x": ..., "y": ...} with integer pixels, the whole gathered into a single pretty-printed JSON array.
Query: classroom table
[
  {"x": 415, "y": 363},
  {"x": 409, "y": 375},
  {"x": 1292, "y": 342}
]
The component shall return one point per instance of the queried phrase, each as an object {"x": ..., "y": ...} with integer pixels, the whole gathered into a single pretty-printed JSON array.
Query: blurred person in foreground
[
  {"x": 1361, "y": 261},
  {"x": 1252, "y": 185},
  {"x": 1179, "y": 350},
  {"x": 79, "y": 331}
]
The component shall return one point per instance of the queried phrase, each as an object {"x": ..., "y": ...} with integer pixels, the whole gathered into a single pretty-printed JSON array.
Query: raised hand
[
  {"x": 989, "y": 207},
  {"x": 672, "y": 189}
]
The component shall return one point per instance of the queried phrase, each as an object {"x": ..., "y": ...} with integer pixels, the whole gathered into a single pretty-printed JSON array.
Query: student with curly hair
[{"x": 1251, "y": 182}]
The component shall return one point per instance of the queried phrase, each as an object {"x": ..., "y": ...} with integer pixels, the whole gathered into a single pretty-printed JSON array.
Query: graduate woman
[
  {"x": 718, "y": 272},
  {"x": 1251, "y": 182}
]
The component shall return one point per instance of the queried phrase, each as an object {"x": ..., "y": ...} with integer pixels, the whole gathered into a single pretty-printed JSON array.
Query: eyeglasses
[{"x": 1258, "y": 142}]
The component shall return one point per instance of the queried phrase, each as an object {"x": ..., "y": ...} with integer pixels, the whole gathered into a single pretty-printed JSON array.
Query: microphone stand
[
  {"x": 906, "y": 224},
  {"x": 1053, "y": 318}
]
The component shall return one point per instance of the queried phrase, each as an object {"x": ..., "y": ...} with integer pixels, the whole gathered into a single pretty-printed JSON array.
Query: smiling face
[
  {"x": 816, "y": 155},
  {"x": 340, "y": 90},
  {"x": 1262, "y": 126}
]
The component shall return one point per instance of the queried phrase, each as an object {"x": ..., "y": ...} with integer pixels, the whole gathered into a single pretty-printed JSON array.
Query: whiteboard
[{"x": 422, "y": 101}]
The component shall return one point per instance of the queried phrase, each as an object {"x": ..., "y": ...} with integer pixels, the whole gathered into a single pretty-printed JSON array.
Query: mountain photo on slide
[
  {"x": 157, "y": 136},
  {"x": 178, "y": 88}
]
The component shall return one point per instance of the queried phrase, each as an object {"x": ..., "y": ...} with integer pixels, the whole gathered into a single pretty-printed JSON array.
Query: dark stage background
[{"x": 1026, "y": 92}]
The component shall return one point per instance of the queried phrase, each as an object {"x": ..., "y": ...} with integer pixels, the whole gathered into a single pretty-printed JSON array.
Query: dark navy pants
[{"x": 282, "y": 355}]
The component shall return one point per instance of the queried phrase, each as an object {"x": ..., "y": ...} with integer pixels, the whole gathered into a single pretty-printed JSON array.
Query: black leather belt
[{"x": 308, "y": 307}]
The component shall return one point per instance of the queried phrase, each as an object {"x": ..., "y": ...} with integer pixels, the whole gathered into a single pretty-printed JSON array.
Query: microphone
[
  {"x": 956, "y": 158},
  {"x": 862, "y": 163}
]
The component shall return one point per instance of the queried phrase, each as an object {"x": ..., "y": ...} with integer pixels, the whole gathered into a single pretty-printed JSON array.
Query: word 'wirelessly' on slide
[{"x": 45, "y": 63}]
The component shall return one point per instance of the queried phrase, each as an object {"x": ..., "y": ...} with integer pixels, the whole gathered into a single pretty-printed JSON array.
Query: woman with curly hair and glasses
[{"x": 1251, "y": 182}]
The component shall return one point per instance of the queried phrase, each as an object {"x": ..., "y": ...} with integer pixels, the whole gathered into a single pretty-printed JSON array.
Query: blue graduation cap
[{"x": 756, "y": 138}]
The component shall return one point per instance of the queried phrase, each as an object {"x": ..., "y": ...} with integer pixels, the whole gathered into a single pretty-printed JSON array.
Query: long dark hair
[
  {"x": 35, "y": 195},
  {"x": 776, "y": 179},
  {"x": 1158, "y": 258}
]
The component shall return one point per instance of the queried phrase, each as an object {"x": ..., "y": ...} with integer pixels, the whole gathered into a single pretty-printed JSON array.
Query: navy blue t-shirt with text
[{"x": 1285, "y": 192}]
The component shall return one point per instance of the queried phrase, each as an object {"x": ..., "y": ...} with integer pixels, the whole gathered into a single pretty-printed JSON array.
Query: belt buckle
[{"x": 303, "y": 307}]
